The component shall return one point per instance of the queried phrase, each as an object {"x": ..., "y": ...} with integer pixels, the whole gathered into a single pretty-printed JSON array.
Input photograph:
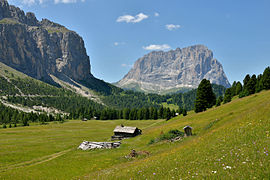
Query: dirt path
[{"x": 35, "y": 161}]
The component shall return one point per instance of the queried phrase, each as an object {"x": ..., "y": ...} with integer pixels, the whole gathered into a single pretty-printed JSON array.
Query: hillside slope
[
  {"x": 27, "y": 94},
  {"x": 229, "y": 142}
]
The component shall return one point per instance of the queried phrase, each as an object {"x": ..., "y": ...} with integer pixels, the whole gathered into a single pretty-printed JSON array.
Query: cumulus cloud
[
  {"x": 67, "y": 1},
  {"x": 32, "y": 2},
  {"x": 153, "y": 47},
  {"x": 156, "y": 14},
  {"x": 132, "y": 19},
  {"x": 171, "y": 27}
]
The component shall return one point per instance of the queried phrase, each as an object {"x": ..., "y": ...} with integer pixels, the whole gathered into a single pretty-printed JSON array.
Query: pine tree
[
  {"x": 173, "y": 113},
  {"x": 251, "y": 85},
  {"x": 233, "y": 88},
  {"x": 205, "y": 96},
  {"x": 126, "y": 113},
  {"x": 259, "y": 84},
  {"x": 160, "y": 112},
  {"x": 184, "y": 112},
  {"x": 168, "y": 113},
  {"x": 227, "y": 96},
  {"x": 140, "y": 114},
  {"x": 266, "y": 78},
  {"x": 145, "y": 113},
  {"x": 155, "y": 115},
  {"x": 238, "y": 88},
  {"x": 179, "y": 110},
  {"x": 245, "y": 90},
  {"x": 219, "y": 101}
]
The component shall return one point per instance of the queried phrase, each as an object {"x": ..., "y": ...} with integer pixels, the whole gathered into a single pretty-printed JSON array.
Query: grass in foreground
[{"x": 230, "y": 142}]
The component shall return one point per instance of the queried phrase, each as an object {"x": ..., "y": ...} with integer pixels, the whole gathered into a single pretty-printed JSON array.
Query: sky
[{"x": 118, "y": 32}]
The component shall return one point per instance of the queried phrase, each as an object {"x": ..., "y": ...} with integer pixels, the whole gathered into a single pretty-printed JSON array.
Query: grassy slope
[{"x": 231, "y": 141}]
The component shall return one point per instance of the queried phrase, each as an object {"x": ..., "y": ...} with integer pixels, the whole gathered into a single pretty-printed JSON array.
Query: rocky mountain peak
[
  {"x": 40, "y": 48},
  {"x": 160, "y": 71},
  {"x": 15, "y": 13}
]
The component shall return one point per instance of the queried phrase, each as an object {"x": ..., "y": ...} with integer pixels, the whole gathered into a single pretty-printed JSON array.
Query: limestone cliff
[
  {"x": 161, "y": 71},
  {"x": 41, "y": 48}
]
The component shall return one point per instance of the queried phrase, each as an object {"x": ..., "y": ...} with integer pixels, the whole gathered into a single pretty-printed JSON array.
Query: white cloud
[
  {"x": 171, "y": 27},
  {"x": 132, "y": 19},
  {"x": 153, "y": 47},
  {"x": 29, "y": 2},
  {"x": 126, "y": 65},
  {"x": 118, "y": 43},
  {"x": 67, "y": 1},
  {"x": 156, "y": 14},
  {"x": 33, "y": 2}
]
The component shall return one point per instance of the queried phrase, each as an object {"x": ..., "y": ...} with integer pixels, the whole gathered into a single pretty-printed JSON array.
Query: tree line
[
  {"x": 10, "y": 117},
  {"x": 143, "y": 113},
  {"x": 251, "y": 84}
]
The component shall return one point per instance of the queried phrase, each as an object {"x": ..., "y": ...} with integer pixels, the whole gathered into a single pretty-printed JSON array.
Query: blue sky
[{"x": 118, "y": 32}]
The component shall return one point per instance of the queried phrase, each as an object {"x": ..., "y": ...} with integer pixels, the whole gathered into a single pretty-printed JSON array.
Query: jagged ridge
[{"x": 161, "y": 71}]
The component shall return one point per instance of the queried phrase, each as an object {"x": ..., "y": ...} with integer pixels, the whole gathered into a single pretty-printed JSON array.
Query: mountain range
[{"x": 50, "y": 52}]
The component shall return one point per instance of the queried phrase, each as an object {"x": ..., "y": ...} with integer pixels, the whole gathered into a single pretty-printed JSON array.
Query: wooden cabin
[
  {"x": 122, "y": 132},
  {"x": 188, "y": 130}
]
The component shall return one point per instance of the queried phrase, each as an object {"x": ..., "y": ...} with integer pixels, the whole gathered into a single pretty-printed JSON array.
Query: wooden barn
[{"x": 122, "y": 132}]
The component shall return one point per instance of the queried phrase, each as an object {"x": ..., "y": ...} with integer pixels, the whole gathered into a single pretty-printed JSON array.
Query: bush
[
  {"x": 168, "y": 136},
  {"x": 152, "y": 141}
]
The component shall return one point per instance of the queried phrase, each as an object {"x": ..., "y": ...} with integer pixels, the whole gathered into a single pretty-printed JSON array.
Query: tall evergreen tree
[
  {"x": 266, "y": 78},
  {"x": 251, "y": 85},
  {"x": 259, "y": 84},
  {"x": 227, "y": 96},
  {"x": 155, "y": 115},
  {"x": 126, "y": 113},
  {"x": 246, "y": 80},
  {"x": 184, "y": 112},
  {"x": 160, "y": 112},
  {"x": 238, "y": 88},
  {"x": 205, "y": 96},
  {"x": 233, "y": 88}
]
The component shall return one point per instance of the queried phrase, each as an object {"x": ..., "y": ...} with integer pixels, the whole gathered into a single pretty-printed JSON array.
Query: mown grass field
[{"x": 230, "y": 142}]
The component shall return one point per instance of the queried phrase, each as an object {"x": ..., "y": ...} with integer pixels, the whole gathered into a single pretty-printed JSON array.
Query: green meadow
[{"x": 229, "y": 142}]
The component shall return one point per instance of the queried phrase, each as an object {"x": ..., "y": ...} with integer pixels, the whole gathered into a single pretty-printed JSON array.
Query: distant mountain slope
[
  {"x": 169, "y": 71},
  {"x": 27, "y": 94},
  {"x": 44, "y": 48}
]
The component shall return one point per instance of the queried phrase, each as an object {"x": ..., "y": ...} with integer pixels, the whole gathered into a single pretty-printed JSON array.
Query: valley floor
[{"x": 229, "y": 142}]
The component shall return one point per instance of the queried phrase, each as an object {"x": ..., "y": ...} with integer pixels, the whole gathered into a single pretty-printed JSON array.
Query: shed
[
  {"x": 188, "y": 130},
  {"x": 121, "y": 132}
]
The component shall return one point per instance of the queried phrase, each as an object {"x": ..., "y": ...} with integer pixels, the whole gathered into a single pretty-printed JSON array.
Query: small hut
[
  {"x": 122, "y": 132},
  {"x": 188, "y": 130}
]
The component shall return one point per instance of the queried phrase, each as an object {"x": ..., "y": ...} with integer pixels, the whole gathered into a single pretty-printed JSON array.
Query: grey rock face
[
  {"x": 40, "y": 48},
  {"x": 161, "y": 71}
]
